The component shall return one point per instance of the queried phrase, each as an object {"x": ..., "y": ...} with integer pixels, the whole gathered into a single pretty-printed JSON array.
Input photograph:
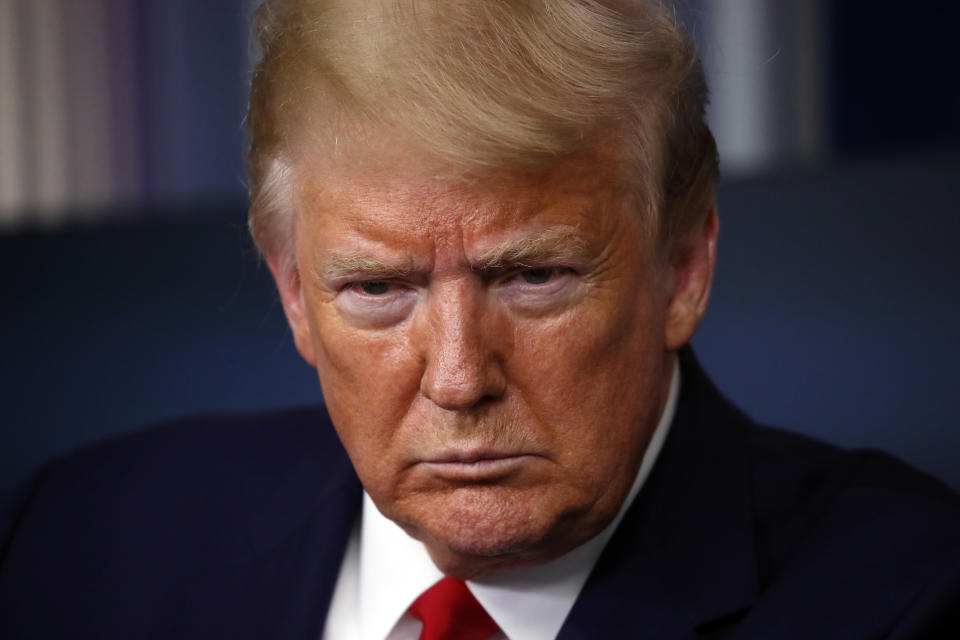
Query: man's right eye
[{"x": 374, "y": 304}]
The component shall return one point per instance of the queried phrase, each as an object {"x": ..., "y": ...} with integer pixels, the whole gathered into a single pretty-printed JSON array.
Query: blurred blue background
[{"x": 130, "y": 292}]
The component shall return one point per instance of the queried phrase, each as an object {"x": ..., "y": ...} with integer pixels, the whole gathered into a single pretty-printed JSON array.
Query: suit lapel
[{"x": 683, "y": 558}]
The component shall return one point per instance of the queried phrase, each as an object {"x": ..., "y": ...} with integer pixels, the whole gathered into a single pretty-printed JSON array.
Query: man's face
[{"x": 494, "y": 357}]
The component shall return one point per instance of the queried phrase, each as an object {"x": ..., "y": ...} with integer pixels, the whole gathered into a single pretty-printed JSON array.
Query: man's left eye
[
  {"x": 538, "y": 276},
  {"x": 374, "y": 287}
]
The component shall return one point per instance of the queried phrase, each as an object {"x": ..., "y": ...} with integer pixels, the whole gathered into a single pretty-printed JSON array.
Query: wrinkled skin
[{"x": 495, "y": 356}]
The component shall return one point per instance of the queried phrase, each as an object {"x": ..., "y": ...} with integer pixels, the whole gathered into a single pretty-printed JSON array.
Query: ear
[
  {"x": 287, "y": 276},
  {"x": 691, "y": 276}
]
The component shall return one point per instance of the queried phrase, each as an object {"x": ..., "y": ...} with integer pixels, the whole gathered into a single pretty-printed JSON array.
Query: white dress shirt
[{"x": 384, "y": 570}]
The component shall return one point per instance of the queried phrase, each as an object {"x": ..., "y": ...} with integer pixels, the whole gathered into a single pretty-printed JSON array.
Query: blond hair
[{"x": 482, "y": 86}]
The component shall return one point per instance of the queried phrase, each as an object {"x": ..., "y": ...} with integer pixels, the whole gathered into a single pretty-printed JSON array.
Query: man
[{"x": 492, "y": 228}]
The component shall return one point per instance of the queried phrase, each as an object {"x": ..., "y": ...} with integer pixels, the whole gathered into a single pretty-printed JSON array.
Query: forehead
[{"x": 585, "y": 192}]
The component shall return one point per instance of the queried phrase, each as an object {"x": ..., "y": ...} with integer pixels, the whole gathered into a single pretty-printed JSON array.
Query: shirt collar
[{"x": 528, "y": 604}]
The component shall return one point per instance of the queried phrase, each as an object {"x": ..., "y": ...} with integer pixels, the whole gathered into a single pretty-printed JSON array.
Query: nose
[{"x": 462, "y": 364}]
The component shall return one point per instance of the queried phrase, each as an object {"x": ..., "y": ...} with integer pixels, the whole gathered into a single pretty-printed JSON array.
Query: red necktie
[{"x": 449, "y": 611}]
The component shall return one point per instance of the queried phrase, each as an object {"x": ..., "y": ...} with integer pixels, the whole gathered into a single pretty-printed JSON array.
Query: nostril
[{"x": 486, "y": 399}]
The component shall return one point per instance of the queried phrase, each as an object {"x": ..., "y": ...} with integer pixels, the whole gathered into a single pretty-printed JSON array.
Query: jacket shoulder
[
  {"x": 185, "y": 462},
  {"x": 833, "y": 542},
  {"x": 800, "y": 483},
  {"x": 172, "y": 522},
  {"x": 855, "y": 535}
]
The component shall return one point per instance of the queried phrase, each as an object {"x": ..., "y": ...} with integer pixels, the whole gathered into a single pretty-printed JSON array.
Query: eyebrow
[
  {"x": 339, "y": 265},
  {"x": 555, "y": 243}
]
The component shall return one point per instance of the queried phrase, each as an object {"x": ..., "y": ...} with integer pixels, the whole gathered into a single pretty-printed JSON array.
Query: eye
[
  {"x": 374, "y": 287},
  {"x": 539, "y": 290},
  {"x": 538, "y": 276},
  {"x": 376, "y": 304}
]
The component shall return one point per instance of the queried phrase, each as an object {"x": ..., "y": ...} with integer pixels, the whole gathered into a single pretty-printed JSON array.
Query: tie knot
[{"x": 449, "y": 611}]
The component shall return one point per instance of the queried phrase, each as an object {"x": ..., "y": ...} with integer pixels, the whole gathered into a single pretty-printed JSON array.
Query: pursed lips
[{"x": 475, "y": 464}]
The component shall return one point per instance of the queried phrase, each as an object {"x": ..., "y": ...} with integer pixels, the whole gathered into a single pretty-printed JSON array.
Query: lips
[
  {"x": 470, "y": 457},
  {"x": 476, "y": 465}
]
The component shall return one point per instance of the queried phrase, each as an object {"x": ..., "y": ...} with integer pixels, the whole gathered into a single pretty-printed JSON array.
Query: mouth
[{"x": 475, "y": 466}]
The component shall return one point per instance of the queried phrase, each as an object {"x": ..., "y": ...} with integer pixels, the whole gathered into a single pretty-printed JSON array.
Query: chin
[{"x": 475, "y": 530}]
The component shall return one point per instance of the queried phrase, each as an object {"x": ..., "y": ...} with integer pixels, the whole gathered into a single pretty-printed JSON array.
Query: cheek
[
  {"x": 604, "y": 338},
  {"x": 368, "y": 380},
  {"x": 593, "y": 377}
]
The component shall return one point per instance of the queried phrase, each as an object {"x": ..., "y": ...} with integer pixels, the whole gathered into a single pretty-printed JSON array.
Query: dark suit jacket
[{"x": 234, "y": 527}]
